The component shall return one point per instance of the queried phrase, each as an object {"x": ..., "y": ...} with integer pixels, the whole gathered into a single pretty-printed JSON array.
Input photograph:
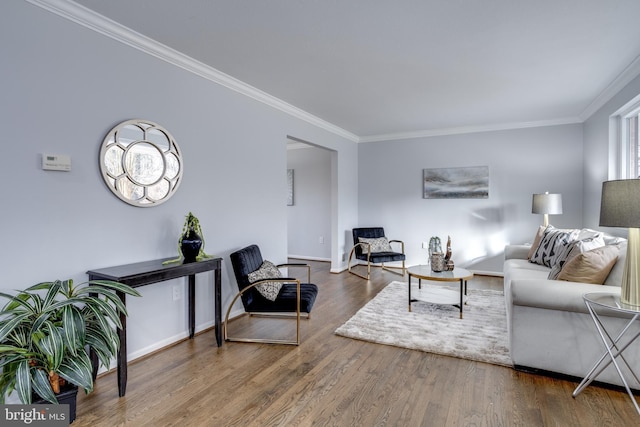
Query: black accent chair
[
  {"x": 293, "y": 299},
  {"x": 362, "y": 251}
]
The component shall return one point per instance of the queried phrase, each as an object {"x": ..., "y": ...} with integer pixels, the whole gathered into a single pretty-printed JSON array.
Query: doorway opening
[{"x": 311, "y": 210}]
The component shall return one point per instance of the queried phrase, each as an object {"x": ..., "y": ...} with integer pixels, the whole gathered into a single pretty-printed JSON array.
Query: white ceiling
[{"x": 382, "y": 68}]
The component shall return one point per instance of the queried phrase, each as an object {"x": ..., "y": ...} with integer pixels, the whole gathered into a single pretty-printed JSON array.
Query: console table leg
[
  {"x": 218, "y": 307},
  {"x": 192, "y": 305},
  {"x": 122, "y": 351}
]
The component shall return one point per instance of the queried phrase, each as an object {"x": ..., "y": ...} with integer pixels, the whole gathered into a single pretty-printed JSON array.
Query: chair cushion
[
  {"x": 267, "y": 270},
  {"x": 286, "y": 301},
  {"x": 379, "y": 257}
]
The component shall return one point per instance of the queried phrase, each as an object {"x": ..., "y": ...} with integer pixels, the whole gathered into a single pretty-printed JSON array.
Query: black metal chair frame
[
  {"x": 371, "y": 257},
  {"x": 297, "y": 315}
]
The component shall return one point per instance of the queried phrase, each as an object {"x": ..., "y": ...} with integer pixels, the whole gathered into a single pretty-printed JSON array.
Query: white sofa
[{"x": 550, "y": 329}]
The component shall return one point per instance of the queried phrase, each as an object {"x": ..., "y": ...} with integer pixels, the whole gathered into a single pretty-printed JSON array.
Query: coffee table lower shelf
[
  {"x": 439, "y": 296},
  {"x": 435, "y": 295}
]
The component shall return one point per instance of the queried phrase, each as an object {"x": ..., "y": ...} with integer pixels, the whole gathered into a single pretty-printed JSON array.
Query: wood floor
[{"x": 334, "y": 381}]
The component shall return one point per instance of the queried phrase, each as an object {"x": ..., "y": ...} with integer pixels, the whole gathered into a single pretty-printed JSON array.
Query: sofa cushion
[
  {"x": 523, "y": 264},
  {"x": 267, "y": 270},
  {"x": 570, "y": 250},
  {"x": 547, "y": 252},
  {"x": 591, "y": 266},
  {"x": 552, "y": 294}
]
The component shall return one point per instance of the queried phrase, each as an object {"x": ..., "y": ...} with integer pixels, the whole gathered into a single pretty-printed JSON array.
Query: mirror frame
[{"x": 140, "y": 193}]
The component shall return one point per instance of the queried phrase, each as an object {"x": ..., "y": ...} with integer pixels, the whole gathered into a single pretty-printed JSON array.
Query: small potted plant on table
[
  {"x": 47, "y": 331},
  {"x": 190, "y": 242}
]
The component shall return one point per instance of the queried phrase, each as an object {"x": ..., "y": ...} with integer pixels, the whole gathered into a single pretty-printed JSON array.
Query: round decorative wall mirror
[{"x": 141, "y": 163}]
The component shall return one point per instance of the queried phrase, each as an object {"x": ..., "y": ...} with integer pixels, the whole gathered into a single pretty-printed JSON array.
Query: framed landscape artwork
[{"x": 456, "y": 183}]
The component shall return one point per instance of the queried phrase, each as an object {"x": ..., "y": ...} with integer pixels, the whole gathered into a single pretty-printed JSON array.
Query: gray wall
[
  {"x": 309, "y": 219},
  {"x": 63, "y": 88},
  {"x": 521, "y": 162}
]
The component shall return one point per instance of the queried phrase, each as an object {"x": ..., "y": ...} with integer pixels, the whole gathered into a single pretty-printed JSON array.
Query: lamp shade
[
  {"x": 620, "y": 206},
  {"x": 547, "y": 204}
]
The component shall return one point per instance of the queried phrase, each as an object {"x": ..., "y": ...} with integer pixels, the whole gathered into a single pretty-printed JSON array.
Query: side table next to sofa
[{"x": 615, "y": 346}]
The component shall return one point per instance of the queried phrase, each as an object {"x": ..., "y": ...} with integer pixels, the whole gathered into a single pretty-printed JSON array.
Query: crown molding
[
  {"x": 107, "y": 27},
  {"x": 81, "y": 15},
  {"x": 469, "y": 129},
  {"x": 624, "y": 78}
]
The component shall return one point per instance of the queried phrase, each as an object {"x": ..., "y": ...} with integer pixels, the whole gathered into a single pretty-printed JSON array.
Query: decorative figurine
[{"x": 448, "y": 262}]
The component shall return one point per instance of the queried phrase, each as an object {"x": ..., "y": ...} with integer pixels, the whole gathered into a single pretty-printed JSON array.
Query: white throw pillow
[
  {"x": 267, "y": 270},
  {"x": 380, "y": 244}
]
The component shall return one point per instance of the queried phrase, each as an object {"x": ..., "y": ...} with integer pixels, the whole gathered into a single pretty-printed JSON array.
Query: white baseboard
[
  {"x": 309, "y": 258},
  {"x": 339, "y": 269},
  {"x": 488, "y": 273}
]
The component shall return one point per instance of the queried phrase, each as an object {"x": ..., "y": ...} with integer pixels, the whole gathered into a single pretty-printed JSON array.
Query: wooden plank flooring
[{"x": 335, "y": 381}]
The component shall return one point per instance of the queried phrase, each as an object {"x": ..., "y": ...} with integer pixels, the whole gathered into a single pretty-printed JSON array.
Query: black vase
[
  {"x": 190, "y": 246},
  {"x": 67, "y": 396}
]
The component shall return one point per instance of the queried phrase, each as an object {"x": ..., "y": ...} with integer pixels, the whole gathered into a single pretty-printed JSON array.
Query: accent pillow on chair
[
  {"x": 267, "y": 270},
  {"x": 381, "y": 244}
]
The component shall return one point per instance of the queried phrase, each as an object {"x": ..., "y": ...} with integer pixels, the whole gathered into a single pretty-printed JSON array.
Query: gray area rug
[{"x": 481, "y": 335}]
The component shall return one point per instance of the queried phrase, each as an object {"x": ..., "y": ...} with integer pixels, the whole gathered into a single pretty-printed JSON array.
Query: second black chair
[{"x": 371, "y": 245}]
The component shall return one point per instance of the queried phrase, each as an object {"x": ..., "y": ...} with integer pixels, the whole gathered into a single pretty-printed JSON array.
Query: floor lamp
[
  {"x": 546, "y": 204},
  {"x": 620, "y": 207}
]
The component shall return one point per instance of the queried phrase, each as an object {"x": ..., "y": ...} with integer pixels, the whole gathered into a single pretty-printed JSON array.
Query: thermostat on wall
[{"x": 56, "y": 162}]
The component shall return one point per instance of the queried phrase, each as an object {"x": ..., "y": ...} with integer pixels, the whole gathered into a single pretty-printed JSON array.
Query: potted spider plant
[
  {"x": 190, "y": 242},
  {"x": 47, "y": 331}
]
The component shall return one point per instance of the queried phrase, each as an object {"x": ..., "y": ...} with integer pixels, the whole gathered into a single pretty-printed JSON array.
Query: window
[
  {"x": 634, "y": 164},
  {"x": 626, "y": 137}
]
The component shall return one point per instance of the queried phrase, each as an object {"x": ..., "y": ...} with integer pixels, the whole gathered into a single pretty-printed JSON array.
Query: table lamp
[
  {"x": 620, "y": 207},
  {"x": 546, "y": 204}
]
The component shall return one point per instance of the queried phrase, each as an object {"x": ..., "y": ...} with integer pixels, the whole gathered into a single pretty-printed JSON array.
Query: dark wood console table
[{"x": 146, "y": 273}]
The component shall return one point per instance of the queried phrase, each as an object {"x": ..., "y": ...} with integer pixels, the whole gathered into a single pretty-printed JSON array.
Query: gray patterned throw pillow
[
  {"x": 267, "y": 270},
  {"x": 551, "y": 243},
  {"x": 380, "y": 244}
]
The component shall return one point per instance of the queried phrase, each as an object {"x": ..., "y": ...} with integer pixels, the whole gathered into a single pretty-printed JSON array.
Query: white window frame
[{"x": 623, "y": 138}]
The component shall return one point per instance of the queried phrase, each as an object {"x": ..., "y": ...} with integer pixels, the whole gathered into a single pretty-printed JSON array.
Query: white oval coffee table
[{"x": 439, "y": 295}]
